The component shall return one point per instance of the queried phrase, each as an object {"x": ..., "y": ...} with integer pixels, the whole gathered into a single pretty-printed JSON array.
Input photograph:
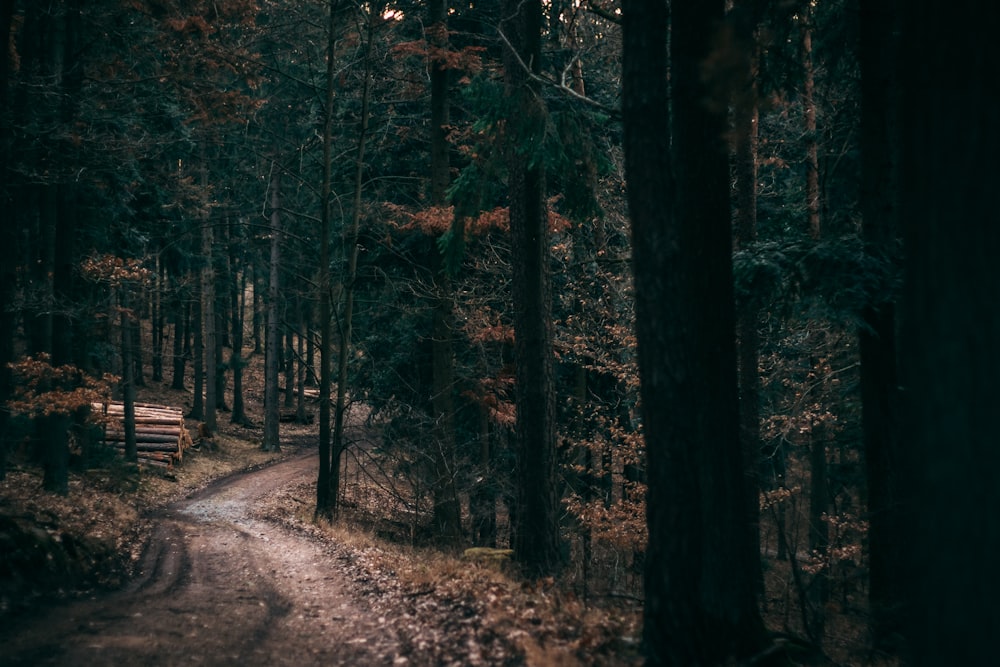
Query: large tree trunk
[
  {"x": 700, "y": 603},
  {"x": 536, "y": 529},
  {"x": 879, "y": 381},
  {"x": 950, "y": 325}
]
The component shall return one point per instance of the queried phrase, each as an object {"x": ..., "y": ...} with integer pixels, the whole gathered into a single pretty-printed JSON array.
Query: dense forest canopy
[{"x": 617, "y": 284}]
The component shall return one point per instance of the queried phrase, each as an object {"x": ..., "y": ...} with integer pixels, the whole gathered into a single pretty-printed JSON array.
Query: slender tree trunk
[
  {"x": 300, "y": 379},
  {"x": 351, "y": 248},
  {"x": 156, "y": 321},
  {"x": 138, "y": 365},
  {"x": 223, "y": 317},
  {"x": 180, "y": 335},
  {"x": 259, "y": 288},
  {"x": 273, "y": 351},
  {"x": 310, "y": 334},
  {"x": 128, "y": 379},
  {"x": 220, "y": 366},
  {"x": 238, "y": 285},
  {"x": 290, "y": 357},
  {"x": 325, "y": 498},
  {"x": 700, "y": 606},
  {"x": 819, "y": 534},
  {"x": 447, "y": 512},
  {"x": 483, "y": 500},
  {"x": 208, "y": 311},
  {"x": 197, "y": 358},
  {"x": 809, "y": 117}
]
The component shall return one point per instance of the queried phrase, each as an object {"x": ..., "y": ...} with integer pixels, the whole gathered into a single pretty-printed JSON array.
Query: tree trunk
[
  {"x": 300, "y": 378},
  {"x": 745, "y": 117},
  {"x": 208, "y": 310},
  {"x": 879, "y": 380},
  {"x": 180, "y": 335},
  {"x": 536, "y": 531},
  {"x": 259, "y": 288},
  {"x": 197, "y": 358},
  {"x": 138, "y": 366},
  {"x": 156, "y": 321},
  {"x": 273, "y": 350},
  {"x": 128, "y": 380},
  {"x": 949, "y": 357},
  {"x": 700, "y": 606},
  {"x": 351, "y": 248},
  {"x": 483, "y": 500},
  {"x": 809, "y": 117},
  {"x": 238, "y": 281},
  {"x": 325, "y": 500},
  {"x": 290, "y": 360},
  {"x": 447, "y": 512},
  {"x": 223, "y": 316},
  {"x": 818, "y": 495},
  {"x": 8, "y": 239},
  {"x": 819, "y": 530}
]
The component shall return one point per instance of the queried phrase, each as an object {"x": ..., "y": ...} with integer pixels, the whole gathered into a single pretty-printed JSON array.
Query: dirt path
[{"x": 217, "y": 587}]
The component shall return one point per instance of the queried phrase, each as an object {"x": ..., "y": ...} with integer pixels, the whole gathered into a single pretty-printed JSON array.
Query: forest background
[{"x": 502, "y": 235}]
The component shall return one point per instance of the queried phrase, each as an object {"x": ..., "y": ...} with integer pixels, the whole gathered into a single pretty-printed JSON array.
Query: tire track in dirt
[{"x": 216, "y": 587}]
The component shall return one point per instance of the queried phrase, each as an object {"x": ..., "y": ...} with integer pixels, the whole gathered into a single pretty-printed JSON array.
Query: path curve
[{"x": 217, "y": 587}]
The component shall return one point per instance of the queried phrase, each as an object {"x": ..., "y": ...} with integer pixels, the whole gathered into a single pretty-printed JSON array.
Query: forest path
[{"x": 217, "y": 587}]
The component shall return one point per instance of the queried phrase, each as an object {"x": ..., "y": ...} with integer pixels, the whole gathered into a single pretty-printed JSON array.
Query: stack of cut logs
[{"x": 160, "y": 434}]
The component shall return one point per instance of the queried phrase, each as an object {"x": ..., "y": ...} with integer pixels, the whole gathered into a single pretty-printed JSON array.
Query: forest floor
[{"x": 219, "y": 562}]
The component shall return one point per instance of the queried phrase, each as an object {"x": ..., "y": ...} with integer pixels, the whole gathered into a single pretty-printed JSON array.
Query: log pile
[{"x": 160, "y": 434}]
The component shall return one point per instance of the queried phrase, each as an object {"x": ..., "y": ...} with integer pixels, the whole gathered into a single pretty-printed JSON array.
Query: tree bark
[
  {"x": 877, "y": 339},
  {"x": 949, "y": 357},
  {"x": 273, "y": 350},
  {"x": 745, "y": 117},
  {"x": 536, "y": 530},
  {"x": 208, "y": 310},
  {"x": 819, "y": 501},
  {"x": 324, "y": 496},
  {"x": 8, "y": 239},
  {"x": 809, "y": 118},
  {"x": 128, "y": 379},
  {"x": 197, "y": 358},
  {"x": 447, "y": 512},
  {"x": 180, "y": 335},
  {"x": 700, "y": 606},
  {"x": 346, "y": 320},
  {"x": 156, "y": 320},
  {"x": 236, "y": 359}
]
